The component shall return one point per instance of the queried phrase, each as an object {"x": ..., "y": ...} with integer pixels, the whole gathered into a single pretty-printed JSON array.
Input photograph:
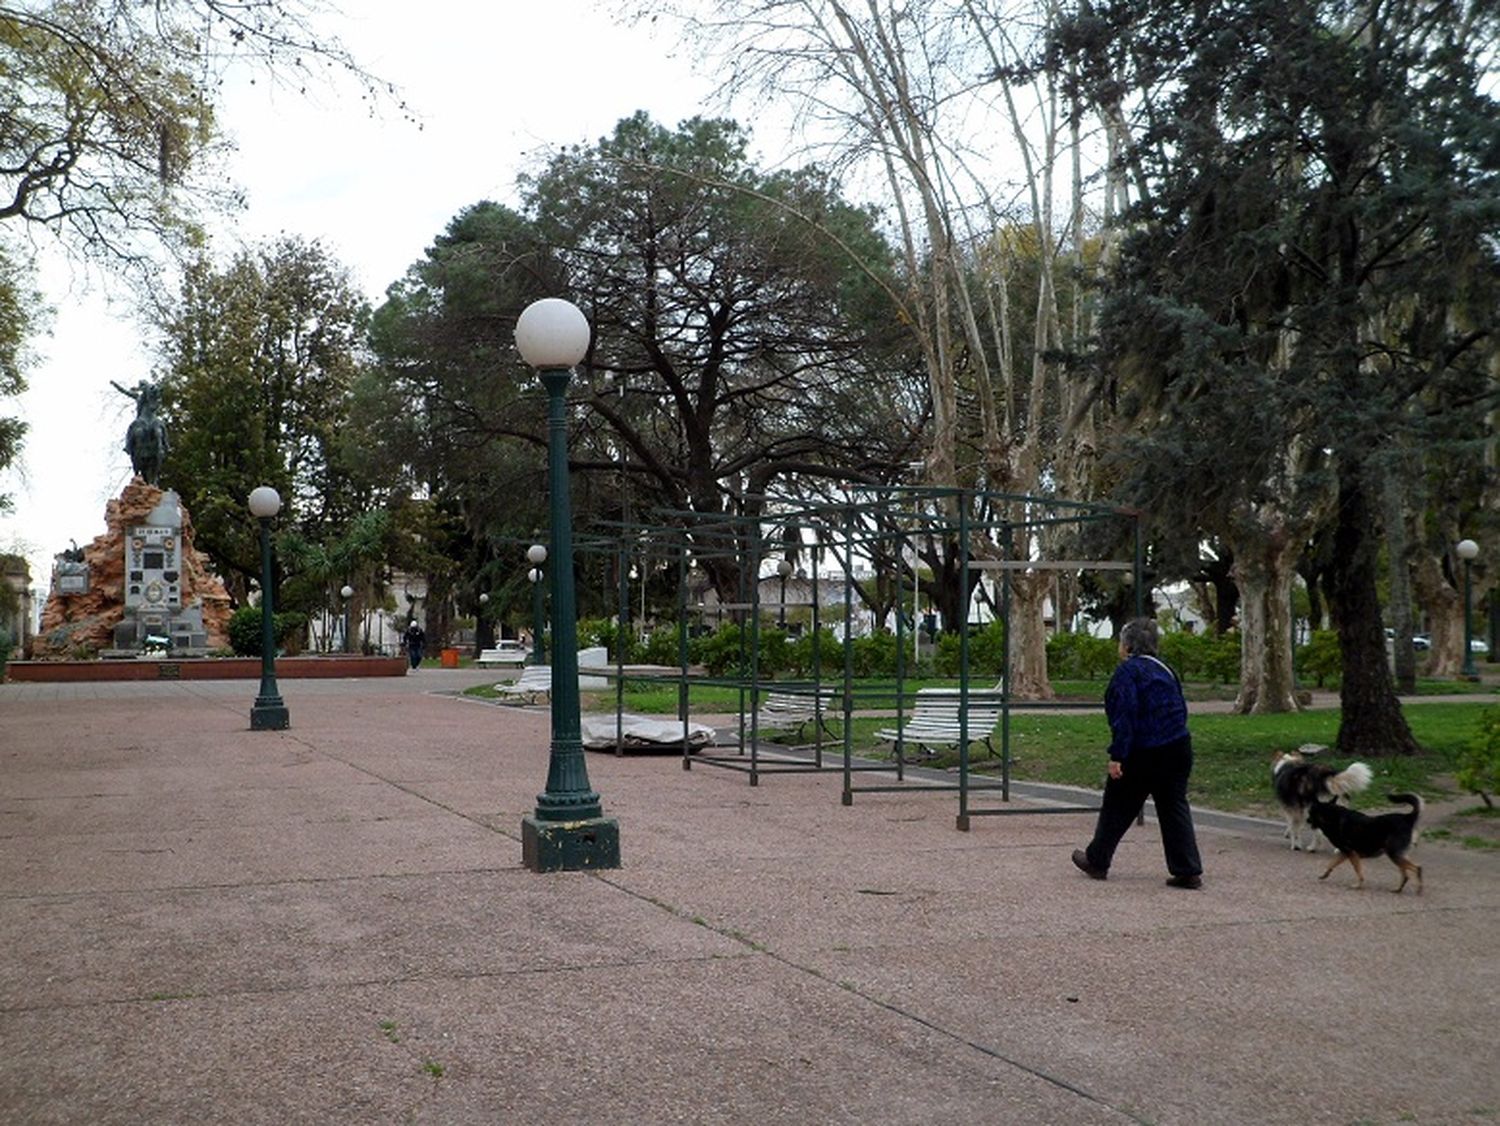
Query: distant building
[{"x": 19, "y": 612}]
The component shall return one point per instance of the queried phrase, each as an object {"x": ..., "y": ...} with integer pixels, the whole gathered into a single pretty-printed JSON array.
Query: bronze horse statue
[{"x": 146, "y": 440}]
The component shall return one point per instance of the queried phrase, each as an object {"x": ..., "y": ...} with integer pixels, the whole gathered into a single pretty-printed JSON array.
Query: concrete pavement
[{"x": 200, "y": 923}]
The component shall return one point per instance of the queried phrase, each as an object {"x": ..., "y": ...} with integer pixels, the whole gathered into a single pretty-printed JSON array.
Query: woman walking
[{"x": 1150, "y": 755}]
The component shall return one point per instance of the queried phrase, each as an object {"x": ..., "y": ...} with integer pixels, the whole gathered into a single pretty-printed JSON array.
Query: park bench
[
  {"x": 535, "y": 683},
  {"x": 506, "y": 653},
  {"x": 792, "y": 711},
  {"x": 936, "y": 720}
]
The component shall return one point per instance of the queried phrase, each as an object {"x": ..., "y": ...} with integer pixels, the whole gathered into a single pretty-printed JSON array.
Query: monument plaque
[{"x": 153, "y": 568}]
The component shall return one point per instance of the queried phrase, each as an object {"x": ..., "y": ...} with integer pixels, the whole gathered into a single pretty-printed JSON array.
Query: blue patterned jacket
[{"x": 1145, "y": 706}]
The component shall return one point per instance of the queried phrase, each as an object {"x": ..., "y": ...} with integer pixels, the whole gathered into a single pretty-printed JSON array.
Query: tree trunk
[
  {"x": 1264, "y": 576},
  {"x": 1443, "y": 604},
  {"x": 1371, "y": 722},
  {"x": 1398, "y": 552},
  {"x": 1026, "y": 636}
]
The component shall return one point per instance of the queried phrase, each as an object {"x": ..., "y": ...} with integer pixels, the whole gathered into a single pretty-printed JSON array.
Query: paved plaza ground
[{"x": 331, "y": 924}]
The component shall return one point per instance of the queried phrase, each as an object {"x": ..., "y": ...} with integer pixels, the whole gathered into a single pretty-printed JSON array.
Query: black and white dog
[{"x": 1300, "y": 784}]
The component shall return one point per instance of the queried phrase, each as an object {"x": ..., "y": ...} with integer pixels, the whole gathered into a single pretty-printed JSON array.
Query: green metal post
[
  {"x": 1471, "y": 671},
  {"x": 538, "y": 624},
  {"x": 269, "y": 712},
  {"x": 567, "y": 830}
]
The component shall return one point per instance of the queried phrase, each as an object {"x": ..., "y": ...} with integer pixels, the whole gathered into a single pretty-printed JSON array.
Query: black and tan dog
[{"x": 1357, "y": 835}]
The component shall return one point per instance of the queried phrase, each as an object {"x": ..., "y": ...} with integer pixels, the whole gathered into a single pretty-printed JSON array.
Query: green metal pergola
[{"x": 995, "y": 533}]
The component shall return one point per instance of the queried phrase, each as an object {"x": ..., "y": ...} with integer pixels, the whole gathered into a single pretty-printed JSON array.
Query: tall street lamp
[
  {"x": 269, "y": 711},
  {"x": 784, "y": 568},
  {"x": 1468, "y": 550},
  {"x": 568, "y": 830},
  {"x": 536, "y": 555},
  {"x": 347, "y": 593}
]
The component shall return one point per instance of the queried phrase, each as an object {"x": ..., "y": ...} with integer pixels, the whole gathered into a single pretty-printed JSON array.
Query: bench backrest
[
  {"x": 533, "y": 676},
  {"x": 984, "y": 710}
]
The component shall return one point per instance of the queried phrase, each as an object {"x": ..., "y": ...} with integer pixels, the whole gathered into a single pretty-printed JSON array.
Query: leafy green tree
[
  {"x": 17, "y": 322},
  {"x": 108, "y": 113},
  {"x": 740, "y": 340},
  {"x": 109, "y": 132},
  {"x": 1312, "y": 252},
  {"x": 744, "y": 336},
  {"x": 1479, "y": 769},
  {"x": 259, "y": 359}
]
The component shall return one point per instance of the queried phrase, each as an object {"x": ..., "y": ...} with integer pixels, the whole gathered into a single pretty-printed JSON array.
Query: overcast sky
[{"x": 493, "y": 87}]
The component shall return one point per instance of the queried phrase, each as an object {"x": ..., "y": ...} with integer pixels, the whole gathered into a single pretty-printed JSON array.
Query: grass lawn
[{"x": 1232, "y": 753}]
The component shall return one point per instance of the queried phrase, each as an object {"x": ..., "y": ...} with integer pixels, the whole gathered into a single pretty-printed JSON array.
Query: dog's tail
[
  {"x": 1351, "y": 780},
  {"x": 1409, "y": 799}
]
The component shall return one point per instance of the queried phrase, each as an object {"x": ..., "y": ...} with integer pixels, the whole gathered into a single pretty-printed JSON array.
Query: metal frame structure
[{"x": 993, "y": 532}]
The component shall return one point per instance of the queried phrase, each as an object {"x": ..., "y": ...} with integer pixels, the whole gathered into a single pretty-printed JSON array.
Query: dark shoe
[
  {"x": 1190, "y": 882},
  {"x": 1081, "y": 862}
]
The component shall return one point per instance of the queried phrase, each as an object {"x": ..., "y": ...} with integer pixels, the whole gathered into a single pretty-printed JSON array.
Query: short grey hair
[{"x": 1140, "y": 637}]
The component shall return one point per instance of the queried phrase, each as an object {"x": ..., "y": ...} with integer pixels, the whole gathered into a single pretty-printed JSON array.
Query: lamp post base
[
  {"x": 570, "y": 846},
  {"x": 269, "y": 715}
]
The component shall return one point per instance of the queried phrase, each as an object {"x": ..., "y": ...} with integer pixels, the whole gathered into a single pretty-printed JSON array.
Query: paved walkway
[{"x": 200, "y": 923}]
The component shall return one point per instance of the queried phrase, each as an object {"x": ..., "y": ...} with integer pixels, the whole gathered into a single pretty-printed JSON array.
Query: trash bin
[{"x": 450, "y": 658}]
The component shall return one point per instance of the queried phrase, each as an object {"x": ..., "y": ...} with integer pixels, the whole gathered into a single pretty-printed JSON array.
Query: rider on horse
[{"x": 146, "y": 440}]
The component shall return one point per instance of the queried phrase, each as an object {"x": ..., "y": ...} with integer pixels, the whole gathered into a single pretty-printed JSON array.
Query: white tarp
[{"x": 641, "y": 731}]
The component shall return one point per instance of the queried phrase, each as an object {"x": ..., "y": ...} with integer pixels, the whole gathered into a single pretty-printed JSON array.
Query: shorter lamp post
[
  {"x": 536, "y": 555},
  {"x": 1468, "y": 550},
  {"x": 269, "y": 711},
  {"x": 567, "y": 830},
  {"x": 347, "y": 593},
  {"x": 784, "y": 568}
]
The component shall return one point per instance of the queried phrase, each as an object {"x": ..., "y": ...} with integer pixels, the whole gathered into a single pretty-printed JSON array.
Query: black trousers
[{"x": 1160, "y": 773}]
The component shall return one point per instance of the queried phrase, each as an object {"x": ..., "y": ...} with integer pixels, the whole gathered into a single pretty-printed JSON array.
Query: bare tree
[{"x": 932, "y": 106}]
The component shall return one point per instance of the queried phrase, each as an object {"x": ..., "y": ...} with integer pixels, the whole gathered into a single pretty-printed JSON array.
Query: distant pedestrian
[
  {"x": 1150, "y": 754},
  {"x": 415, "y": 640}
]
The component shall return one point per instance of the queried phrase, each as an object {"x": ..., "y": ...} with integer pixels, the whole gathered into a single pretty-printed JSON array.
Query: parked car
[
  {"x": 1419, "y": 641},
  {"x": 1478, "y": 646}
]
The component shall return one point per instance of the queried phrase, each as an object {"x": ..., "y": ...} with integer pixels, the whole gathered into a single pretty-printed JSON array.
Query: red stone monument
[{"x": 140, "y": 585}]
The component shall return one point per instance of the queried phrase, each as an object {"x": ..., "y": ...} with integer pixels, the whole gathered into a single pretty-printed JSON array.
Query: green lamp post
[
  {"x": 536, "y": 555},
  {"x": 1468, "y": 551},
  {"x": 567, "y": 831},
  {"x": 346, "y": 592},
  {"x": 269, "y": 711}
]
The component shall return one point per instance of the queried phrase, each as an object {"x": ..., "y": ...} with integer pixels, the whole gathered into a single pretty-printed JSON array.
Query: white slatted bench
[
  {"x": 535, "y": 684},
  {"x": 791, "y": 711},
  {"x": 507, "y": 653},
  {"x": 934, "y": 720}
]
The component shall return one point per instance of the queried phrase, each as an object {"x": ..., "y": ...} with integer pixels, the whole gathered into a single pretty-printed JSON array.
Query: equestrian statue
[{"x": 146, "y": 440}]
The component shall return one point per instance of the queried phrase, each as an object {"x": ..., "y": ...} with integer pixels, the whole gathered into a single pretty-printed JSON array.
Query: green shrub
[
  {"x": 986, "y": 652},
  {"x": 874, "y": 655},
  {"x": 1080, "y": 656},
  {"x": 1320, "y": 658},
  {"x": 1203, "y": 656},
  {"x": 720, "y": 654},
  {"x": 662, "y": 646},
  {"x": 823, "y": 645},
  {"x": 245, "y": 629},
  {"x": 1479, "y": 767},
  {"x": 6, "y": 641},
  {"x": 602, "y": 631}
]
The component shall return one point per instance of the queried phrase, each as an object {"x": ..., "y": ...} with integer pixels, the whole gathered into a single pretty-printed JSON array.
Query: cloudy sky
[{"x": 494, "y": 88}]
